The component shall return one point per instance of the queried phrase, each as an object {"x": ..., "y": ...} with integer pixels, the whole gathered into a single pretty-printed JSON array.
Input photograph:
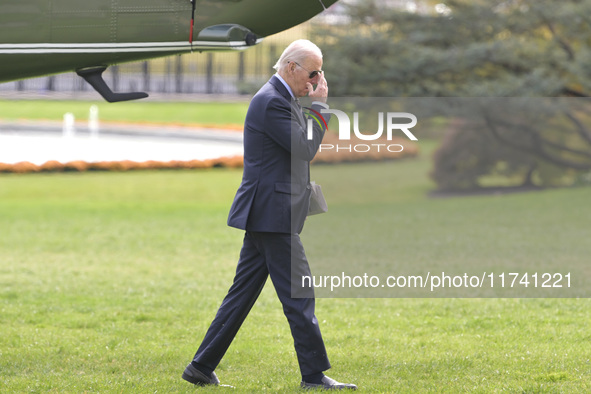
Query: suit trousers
[{"x": 262, "y": 255}]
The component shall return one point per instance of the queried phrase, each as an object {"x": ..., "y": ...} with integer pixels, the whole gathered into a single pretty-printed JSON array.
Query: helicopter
[{"x": 44, "y": 37}]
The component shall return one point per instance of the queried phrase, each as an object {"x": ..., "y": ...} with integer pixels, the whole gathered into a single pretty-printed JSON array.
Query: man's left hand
[{"x": 321, "y": 91}]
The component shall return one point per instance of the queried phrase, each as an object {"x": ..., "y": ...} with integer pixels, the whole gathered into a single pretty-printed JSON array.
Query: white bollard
[
  {"x": 68, "y": 129},
  {"x": 93, "y": 121}
]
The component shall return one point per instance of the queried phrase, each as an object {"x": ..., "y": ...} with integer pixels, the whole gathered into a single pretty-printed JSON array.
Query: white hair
[{"x": 297, "y": 51}]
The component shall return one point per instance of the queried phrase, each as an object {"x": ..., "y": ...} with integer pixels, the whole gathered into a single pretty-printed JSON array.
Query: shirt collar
[{"x": 285, "y": 84}]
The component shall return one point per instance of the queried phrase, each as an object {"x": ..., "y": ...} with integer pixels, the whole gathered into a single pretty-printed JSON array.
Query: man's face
[{"x": 299, "y": 74}]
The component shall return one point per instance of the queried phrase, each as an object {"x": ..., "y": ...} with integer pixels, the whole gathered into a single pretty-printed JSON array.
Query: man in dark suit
[{"x": 271, "y": 205}]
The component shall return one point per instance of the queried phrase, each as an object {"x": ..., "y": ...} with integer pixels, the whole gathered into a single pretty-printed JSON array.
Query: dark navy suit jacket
[{"x": 275, "y": 191}]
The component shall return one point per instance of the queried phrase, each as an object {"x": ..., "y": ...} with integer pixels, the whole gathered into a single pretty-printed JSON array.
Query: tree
[{"x": 477, "y": 48}]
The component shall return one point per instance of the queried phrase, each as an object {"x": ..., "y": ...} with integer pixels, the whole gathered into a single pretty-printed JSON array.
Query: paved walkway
[{"x": 40, "y": 142}]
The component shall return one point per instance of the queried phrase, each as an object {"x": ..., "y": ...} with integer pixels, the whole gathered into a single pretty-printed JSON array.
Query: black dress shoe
[
  {"x": 328, "y": 384},
  {"x": 195, "y": 376}
]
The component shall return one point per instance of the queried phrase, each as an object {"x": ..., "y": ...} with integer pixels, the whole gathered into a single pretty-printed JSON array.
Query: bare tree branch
[
  {"x": 574, "y": 93},
  {"x": 537, "y": 148},
  {"x": 580, "y": 127},
  {"x": 563, "y": 44},
  {"x": 541, "y": 141}
]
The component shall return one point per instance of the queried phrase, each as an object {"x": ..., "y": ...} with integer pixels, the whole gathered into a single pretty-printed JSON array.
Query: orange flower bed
[
  {"x": 356, "y": 153},
  {"x": 124, "y": 165}
]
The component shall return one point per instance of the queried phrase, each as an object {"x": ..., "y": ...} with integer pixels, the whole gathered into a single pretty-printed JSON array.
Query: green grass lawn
[
  {"x": 205, "y": 113},
  {"x": 108, "y": 282}
]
